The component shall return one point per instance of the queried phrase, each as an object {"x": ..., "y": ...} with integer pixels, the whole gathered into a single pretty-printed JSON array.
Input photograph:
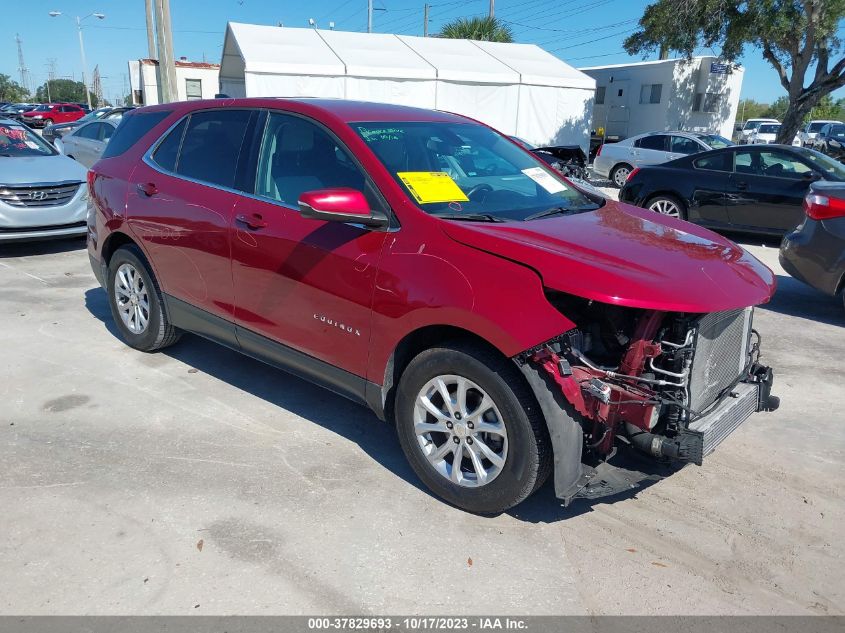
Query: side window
[
  {"x": 716, "y": 162},
  {"x": 107, "y": 131},
  {"x": 91, "y": 131},
  {"x": 168, "y": 150},
  {"x": 655, "y": 141},
  {"x": 212, "y": 145},
  {"x": 683, "y": 145},
  {"x": 747, "y": 163},
  {"x": 296, "y": 156},
  {"x": 782, "y": 165},
  {"x": 132, "y": 129}
]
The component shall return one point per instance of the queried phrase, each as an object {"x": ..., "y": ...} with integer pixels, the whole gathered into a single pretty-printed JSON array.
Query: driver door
[{"x": 302, "y": 283}]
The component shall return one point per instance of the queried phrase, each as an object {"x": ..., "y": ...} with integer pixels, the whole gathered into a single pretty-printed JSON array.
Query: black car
[
  {"x": 815, "y": 252},
  {"x": 831, "y": 140},
  {"x": 15, "y": 111},
  {"x": 569, "y": 160},
  {"x": 753, "y": 188}
]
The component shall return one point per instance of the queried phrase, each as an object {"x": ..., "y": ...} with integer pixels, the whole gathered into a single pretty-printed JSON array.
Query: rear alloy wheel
[
  {"x": 136, "y": 302},
  {"x": 471, "y": 429},
  {"x": 666, "y": 205},
  {"x": 620, "y": 174}
]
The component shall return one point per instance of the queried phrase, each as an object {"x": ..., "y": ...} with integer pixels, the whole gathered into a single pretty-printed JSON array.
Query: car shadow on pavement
[
  {"x": 43, "y": 247},
  {"x": 794, "y": 298},
  {"x": 286, "y": 391},
  {"x": 356, "y": 423}
]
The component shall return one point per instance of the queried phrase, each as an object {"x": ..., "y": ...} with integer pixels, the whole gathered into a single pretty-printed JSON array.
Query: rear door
[
  {"x": 181, "y": 202},
  {"x": 307, "y": 284},
  {"x": 710, "y": 178},
  {"x": 650, "y": 150},
  {"x": 766, "y": 190},
  {"x": 79, "y": 144}
]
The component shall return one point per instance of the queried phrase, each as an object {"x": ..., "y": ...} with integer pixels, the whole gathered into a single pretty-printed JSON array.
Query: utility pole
[
  {"x": 22, "y": 69},
  {"x": 166, "y": 67},
  {"x": 425, "y": 20},
  {"x": 369, "y": 16},
  {"x": 492, "y": 8},
  {"x": 51, "y": 75},
  {"x": 151, "y": 35}
]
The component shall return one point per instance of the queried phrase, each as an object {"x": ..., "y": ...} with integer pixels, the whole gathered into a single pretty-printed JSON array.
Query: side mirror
[
  {"x": 340, "y": 205},
  {"x": 811, "y": 176}
]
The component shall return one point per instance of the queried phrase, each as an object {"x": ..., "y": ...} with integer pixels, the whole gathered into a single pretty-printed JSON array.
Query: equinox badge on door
[{"x": 346, "y": 328}]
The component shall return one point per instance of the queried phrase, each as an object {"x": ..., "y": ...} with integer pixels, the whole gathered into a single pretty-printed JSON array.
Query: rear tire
[
  {"x": 491, "y": 420},
  {"x": 48, "y": 122},
  {"x": 667, "y": 205},
  {"x": 620, "y": 173},
  {"x": 136, "y": 302}
]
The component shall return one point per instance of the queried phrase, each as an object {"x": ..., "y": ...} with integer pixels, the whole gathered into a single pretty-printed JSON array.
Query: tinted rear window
[
  {"x": 211, "y": 146},
  {"x": 658, "y": 142},
  {"x": 167, "y": 151},
  {"x": 131, "y": 130}
]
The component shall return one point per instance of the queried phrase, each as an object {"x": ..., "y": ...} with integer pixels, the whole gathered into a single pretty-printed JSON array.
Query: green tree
[
  {"x": 63, "y": 90},
  {"x": 487, "y": 29},
  {"x": 798, "y": 38},
  {"x": 778, "y": 109},
  {"x": 11, "y": 90},
  {"x": 750, "y": 109},
  {"x": 828, "y": 109}
]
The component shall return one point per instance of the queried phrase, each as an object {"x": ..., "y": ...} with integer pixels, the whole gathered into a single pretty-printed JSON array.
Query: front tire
[
  {"x": 620, "y": 174},
  {"x": 463, "y": 402},
  {"x": 667, "y": 205},
  {"x": 136, "y": 302}
]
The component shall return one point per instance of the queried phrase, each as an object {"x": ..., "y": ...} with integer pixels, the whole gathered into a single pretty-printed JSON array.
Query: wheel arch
[
  {"x": 114, "y": 241},
  {"x": 404, "y": 352}
]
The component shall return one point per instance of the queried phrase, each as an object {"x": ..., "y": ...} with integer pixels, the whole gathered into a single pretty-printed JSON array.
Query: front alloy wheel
[
  {"x": 460, "y": 431},
  {"x": 471, "y": 428},
  {"x": 620, "y": 175}
]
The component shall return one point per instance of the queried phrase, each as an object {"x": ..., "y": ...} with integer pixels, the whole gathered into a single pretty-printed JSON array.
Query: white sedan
[{"x": 87, "y": 142}]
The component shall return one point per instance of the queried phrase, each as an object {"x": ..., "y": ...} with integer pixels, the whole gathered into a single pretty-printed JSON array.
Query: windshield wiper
[
  {"x": 558, "y": 211},
  {"x": 470, "y": 217}
]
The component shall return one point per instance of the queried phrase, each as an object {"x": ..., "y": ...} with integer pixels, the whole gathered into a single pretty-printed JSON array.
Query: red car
[
  {"x": 424, "y": 265},
  {"x": 50, "y": 113}
]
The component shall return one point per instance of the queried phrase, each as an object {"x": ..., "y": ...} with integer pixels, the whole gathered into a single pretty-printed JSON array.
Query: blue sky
[{"x": 581, "y": 32}]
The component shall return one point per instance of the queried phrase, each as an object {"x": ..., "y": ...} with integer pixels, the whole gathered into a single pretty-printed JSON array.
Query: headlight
[{"x": 38, "y": 116}]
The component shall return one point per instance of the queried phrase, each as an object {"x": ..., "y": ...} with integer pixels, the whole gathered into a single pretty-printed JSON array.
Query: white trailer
[{"x": 697, "y": 95}]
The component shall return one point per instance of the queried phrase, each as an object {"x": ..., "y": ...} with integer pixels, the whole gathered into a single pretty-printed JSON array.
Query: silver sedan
[
  {"x": 87, "y": 142},
  {"x": 42, "y": 193}
]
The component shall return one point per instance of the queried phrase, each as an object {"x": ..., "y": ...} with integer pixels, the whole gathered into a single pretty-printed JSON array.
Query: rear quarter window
[{"x": 131, "y": 129}]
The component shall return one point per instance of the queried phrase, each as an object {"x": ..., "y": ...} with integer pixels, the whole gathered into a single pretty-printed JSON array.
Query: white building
[
  {"x": 520, "y": 89},
  {"x": 699, "y": 95},
  {"x": 194, "y": 80}
]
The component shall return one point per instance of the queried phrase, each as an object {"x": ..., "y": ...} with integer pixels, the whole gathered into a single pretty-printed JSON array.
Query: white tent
[{"x": 519, "y": 89}]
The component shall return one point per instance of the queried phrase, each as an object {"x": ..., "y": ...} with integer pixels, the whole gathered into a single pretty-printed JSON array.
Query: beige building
[{"x": 194, "y": 80}]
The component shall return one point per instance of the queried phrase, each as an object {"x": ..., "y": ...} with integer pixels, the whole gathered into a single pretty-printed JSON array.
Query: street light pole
[
  {"x": 84, "y": 63},
  {"x": 99, "y": 16}
]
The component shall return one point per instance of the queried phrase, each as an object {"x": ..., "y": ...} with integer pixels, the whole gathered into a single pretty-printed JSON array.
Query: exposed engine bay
[{"x": 672, "y": 385}]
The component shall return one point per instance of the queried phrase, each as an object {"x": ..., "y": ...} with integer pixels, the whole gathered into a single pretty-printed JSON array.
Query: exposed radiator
[
  {"x": 721, "y": 354},
  {"x": 705, "y": 434}
]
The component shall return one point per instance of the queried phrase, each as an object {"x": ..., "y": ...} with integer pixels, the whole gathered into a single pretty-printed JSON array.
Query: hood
[
  {"x": 26, "y": 170},
  {"x": 628, "y": 256}
]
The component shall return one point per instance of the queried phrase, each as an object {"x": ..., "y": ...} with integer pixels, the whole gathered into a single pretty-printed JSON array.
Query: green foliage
[
  {"x": 798, "y": 38},
  {"x": 828, "y": 109},
  {"x": 778, "y": 109},
  {"x": 11, "y": 90},
  {"x": 750, "y": 109},
  {"x": 63, "y": 90},
  {"x": 487, "y": 29}
]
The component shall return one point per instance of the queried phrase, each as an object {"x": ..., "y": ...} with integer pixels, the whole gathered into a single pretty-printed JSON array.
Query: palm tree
[{"x": 487, "y": 29}]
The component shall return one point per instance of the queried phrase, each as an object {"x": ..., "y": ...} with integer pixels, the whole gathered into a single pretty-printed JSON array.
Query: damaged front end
[{"x": 671, "y": 385}]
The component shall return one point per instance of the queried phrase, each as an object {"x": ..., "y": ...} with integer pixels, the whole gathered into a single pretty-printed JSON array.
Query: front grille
[
  {"x": 721, "y": 354},
  {"x": 39, "y": 196}
]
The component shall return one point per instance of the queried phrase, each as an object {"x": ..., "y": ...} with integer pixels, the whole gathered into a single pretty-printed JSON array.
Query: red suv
[
  {"x": 424, "y": 265},
  {"x": 49, "y": 113}
]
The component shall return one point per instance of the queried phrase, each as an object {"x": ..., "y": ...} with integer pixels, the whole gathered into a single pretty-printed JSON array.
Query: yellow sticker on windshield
[{"x": 429, "y": 187}]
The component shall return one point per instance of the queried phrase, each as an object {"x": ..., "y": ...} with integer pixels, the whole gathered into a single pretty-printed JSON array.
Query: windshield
[
  {"x": 468, "y": 171},
  {"x": 837, "y": 131},
  {"x": 96, "y": 114},
  {"x": 19, "y": 140},
  {"x": 42, "y": 108},
  {"x": 769, "y": 128},
  {"x": 832, "y": 169},
  {"x": 815, "y": 127},
  {"x": 715, "y": 141}
]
